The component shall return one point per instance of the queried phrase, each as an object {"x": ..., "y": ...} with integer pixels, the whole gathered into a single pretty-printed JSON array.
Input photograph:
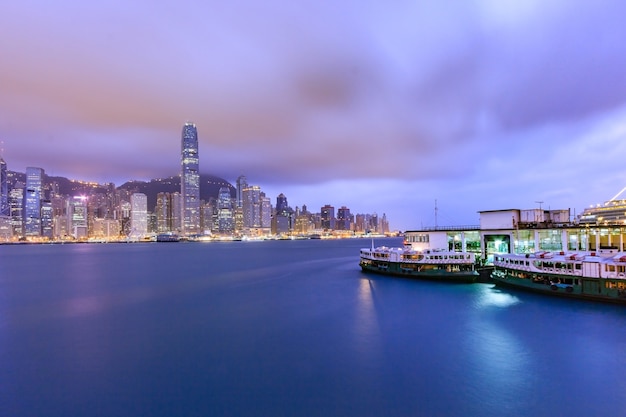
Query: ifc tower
[{"x": 190, "y": 180}]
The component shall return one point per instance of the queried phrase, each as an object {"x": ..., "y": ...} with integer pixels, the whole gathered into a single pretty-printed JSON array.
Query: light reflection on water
[
  {"x": 367, "y": 326},
  {"x": 490, "y": 296},
  {"x": 499, "y": 360}
]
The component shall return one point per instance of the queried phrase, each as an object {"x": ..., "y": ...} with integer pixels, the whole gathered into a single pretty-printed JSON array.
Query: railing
[{"x": 444, "y": 228}]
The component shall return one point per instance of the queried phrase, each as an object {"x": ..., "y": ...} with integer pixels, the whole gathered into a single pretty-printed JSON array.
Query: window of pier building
[
  {"x": 603, "y": 238},
  {"x": 495, "y": 244},
  {"x": 580, "y": 239},
  {"x": 472, "y": 241},
  {"x": 455, "y": 241},
  {"x": 524, "y": 242},
  {"x": 615, "y": 239},
  {"x": 550, "y": 240},
  {"x": 418, "y": 238},
  {"x": 576, "y": 240}
]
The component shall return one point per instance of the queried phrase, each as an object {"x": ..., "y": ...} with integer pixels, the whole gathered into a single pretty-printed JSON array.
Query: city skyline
[
  {"x": 44, "y": 208},
  {"x": 473, "y": 105},
  {"x": 239, "y": 189}
]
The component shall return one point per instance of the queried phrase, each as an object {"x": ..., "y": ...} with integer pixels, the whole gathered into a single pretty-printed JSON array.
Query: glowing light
[{"x": 490, "y": 296}]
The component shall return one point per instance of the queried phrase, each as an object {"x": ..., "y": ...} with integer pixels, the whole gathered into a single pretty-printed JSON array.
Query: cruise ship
[{"x": 612, "y": 211}]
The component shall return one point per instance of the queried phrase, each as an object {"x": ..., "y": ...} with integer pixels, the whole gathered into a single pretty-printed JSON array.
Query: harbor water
[{"x": 288, "y": 328}]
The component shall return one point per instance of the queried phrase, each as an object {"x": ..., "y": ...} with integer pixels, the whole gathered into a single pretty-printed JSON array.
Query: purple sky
[{"x": 380, "y": 106}]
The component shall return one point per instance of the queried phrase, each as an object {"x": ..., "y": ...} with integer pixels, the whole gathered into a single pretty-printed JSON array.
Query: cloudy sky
[{"x": 383, "y": 107}]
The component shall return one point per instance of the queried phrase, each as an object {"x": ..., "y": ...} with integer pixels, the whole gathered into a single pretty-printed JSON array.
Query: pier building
[{"x": 523, "y": 231}]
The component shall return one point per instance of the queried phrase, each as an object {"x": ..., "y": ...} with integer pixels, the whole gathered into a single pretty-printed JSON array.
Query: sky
[{"x": 384, "y": 107}]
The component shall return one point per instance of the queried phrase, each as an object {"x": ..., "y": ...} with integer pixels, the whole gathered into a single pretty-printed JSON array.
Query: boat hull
[
  {"x": 589, "y": 289},
  {"x": 394, "y": 269}
]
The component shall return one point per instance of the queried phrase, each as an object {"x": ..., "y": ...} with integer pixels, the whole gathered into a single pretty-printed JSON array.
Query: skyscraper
[
  {"x": 176, "y": 212},
  {"x": 281, "y": 204},
  {"x": 47, "y": 219},
  {"x": 163, "y": 211},
  {"x": 251, "y": 203},
  {"x": 16, "y": 204},
  {"x": 5, "y": 221},
  {"x": 344, "y": 219},
  {"x": 225, "y": 217},
  {"x": 241, "y": 184},
  {"x": 190, "y": 180},
  {"x": 4, "y": 189},
  {"x": 328, "y": 217},
  {"x": 77, "y": 217},
  {"x": 138, "y": 215},
  {"x": 266, "y": 212},
  {"x": 33, "y": 196}
]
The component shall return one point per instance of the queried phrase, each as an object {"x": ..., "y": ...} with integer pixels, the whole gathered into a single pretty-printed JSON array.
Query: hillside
[{"x": 209, "y": 186}]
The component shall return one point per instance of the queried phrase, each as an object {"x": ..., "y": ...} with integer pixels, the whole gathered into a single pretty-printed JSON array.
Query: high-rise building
[
  {"x": 266, "y": 213},
  {"x": 124, "y": 216},
  {"x": 283, "y": 217},
  {"x": 16, "y": 207},
  {"x": 4, "y": 189},
  {"x": 251, "y": 203},
  {"x": 176, "y": 212},
  {"x": 384, "y": 224},
  {"x": 190, "y": 180},
  {"x": 344, "y": 219},
  {"x": 163, "y": 211},
  {"x": 225, "y": 214},
  {"x": 241, "y": 184},
  {"x": 33, "y": 196},
  {"x": 138, "y": 215},
  {"x": 59, "y": 217},
  {"x": 208, "y": 216},
  {"x": 47, "y": 219},
  {"x": 77, "y": 217},
  {"x": 168, "y": 212},
  {"x": 238, "y": 214},
  {"x": 281, "y": 204},
  {"x": 328, "y": 217}
]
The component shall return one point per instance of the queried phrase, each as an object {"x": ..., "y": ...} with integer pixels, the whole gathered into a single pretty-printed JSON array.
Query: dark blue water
[{"x": 288, "y": 328}]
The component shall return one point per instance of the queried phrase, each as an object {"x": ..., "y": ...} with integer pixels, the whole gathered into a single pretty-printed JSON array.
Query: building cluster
[{"x": 35, "y": 210}]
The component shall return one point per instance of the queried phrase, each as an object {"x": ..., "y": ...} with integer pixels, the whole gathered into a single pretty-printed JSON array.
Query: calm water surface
[{"x": 288, "y": 328}]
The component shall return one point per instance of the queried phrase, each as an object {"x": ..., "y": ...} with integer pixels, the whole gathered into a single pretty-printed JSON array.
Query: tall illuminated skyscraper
[
  {"x": 241, "y": 184},
  {"x": 163, "y": 211},
  {"x": 190, "y": 180},
  {"x": 32, "y": 197},
  {"x": 4, "y": 189},
  {"x": 251, "y": 202},
  {"x": 344, "y": 219},
  {"x": 328, "y": 217},
  {"x": 16, "y": 207},
  {"x": 138, "y": 215},
  {"x": 281, "y": 204},
  {"x": 77, "y": 217},
  {"x": 225, "y": 218}
]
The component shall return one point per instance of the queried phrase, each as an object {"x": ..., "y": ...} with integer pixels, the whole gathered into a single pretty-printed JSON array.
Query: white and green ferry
[
  {"x": 429, "y": 264},
  {"x": 599, "y": 276}
]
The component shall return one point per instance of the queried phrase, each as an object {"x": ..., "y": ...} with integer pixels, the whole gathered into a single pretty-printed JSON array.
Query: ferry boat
[
  {"x": 167, "y": 237},
  {"x": 428, "y": 264},
  {"x": 599, "y": 276}
]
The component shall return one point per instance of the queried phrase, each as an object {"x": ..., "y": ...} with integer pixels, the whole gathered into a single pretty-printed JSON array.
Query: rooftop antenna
[
  {"x": 618, "y": 194},
  {"x": 436, "y": 213},
  {"x": 538, "y": 216}
]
